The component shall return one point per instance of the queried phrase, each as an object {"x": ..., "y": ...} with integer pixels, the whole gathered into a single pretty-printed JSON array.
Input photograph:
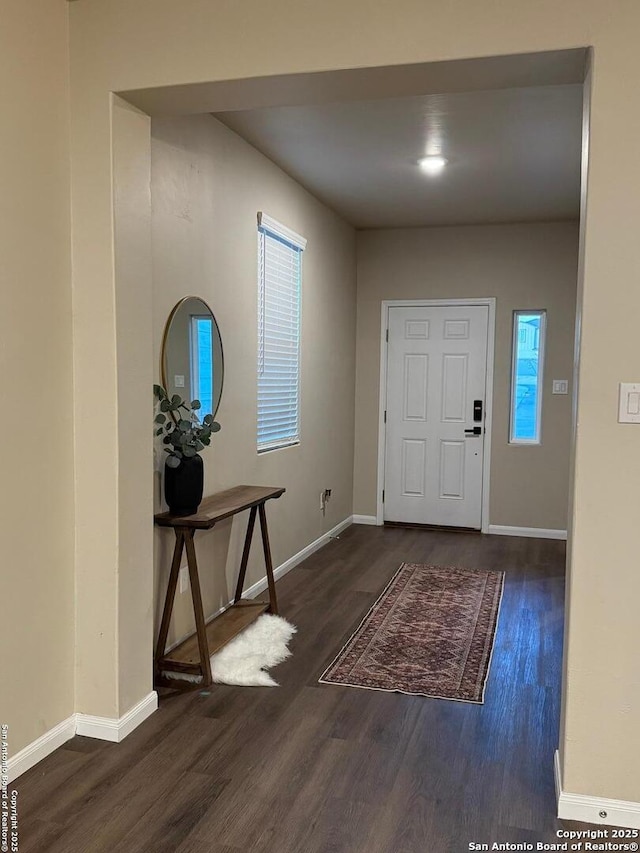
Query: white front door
[{"x": 435, "y": 412}]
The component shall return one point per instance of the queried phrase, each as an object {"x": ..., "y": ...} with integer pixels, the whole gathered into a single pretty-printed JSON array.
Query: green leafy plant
[{"x": 184, "y": 434}]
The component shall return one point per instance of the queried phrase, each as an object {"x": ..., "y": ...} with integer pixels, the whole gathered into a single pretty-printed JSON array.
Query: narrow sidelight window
[
  {"x": 279, "y": 284},
  {"x": 201, "y": 335},
  {"x": 526, "y": 376}
]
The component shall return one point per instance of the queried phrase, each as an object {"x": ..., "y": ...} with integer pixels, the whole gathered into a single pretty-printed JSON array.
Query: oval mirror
[{"x": 192, "y": 358}]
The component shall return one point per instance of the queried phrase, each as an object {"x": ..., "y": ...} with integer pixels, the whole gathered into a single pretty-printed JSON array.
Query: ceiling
[{"x": 513, "y": 154}]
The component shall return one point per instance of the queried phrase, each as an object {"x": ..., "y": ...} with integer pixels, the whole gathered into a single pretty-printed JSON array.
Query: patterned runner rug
[{"x": 430, "y": 633}]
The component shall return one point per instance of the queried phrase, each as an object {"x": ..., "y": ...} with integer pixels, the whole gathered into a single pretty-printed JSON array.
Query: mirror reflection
[{"x": 192, "y": 358}]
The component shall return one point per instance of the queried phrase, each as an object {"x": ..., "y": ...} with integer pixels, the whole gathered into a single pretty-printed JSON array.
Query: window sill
[{"x": 283, "y": 446}]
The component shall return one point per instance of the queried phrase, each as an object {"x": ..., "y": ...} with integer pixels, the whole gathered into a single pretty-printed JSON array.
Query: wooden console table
[{"x": 193, "y": 654}]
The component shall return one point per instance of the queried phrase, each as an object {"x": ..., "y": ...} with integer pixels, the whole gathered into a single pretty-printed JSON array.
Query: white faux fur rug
[{"x": 245, "y": 659}]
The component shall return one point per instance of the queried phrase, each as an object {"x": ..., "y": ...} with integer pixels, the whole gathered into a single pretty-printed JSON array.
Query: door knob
[{"x": 474, "y": 431}]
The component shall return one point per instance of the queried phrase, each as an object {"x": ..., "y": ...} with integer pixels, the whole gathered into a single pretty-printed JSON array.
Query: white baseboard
[
  {"x": 365, "y": 519},
  {"x": 591, "y": 809},
  {"x": 116, "y": 729},
  {"x": 292, "y": 562},
  {"x": 103, "y": 728},
  {"x": 41, "y": 748},
  {"x": 530, "y": 532}
]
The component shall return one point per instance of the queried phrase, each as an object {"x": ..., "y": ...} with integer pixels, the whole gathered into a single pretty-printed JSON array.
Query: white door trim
[{"x": 490, "y": 302}]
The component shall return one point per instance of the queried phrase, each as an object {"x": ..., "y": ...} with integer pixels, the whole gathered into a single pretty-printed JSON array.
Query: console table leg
[
  {"x": 169, "y": 599},
  {"x": 245, "y": 554},
  {"x": 273, "y": 601},
  {"x": 198, "y": 611}
]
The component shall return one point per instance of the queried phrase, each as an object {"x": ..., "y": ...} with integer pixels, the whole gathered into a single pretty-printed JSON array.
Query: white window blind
[{"x": 279, "y": 281}]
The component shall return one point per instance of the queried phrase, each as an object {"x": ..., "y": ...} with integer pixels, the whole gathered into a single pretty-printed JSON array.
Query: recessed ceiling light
[{"x": 432, "y": 165}]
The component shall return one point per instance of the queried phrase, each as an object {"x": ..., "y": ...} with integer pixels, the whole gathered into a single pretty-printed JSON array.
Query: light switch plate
[
  {"x": 629, "y": 403},
  {"x": 178, "y": 381},
  {"x": 560, "y": 386}
]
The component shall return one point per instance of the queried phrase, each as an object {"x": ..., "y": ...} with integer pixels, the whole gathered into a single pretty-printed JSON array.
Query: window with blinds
[{"x": 279, "y": 284}]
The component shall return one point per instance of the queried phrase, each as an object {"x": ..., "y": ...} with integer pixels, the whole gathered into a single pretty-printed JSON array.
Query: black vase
[{"x": 183, "y": 485}]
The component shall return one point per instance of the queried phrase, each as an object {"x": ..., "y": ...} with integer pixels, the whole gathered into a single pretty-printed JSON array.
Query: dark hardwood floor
[{"x": 310, "y": 768}]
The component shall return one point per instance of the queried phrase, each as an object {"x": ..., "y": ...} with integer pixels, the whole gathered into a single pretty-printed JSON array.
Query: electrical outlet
[{"x": 184, "y": 579}]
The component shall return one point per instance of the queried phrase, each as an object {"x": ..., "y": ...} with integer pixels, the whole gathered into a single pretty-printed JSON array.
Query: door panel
[
  {"x": 436, "y": 368},
  {"x": 416, "y": 330},
  {"x": 452, "y": 469},
  {"x": 416, "y": 379},
  {"x": 414, "y": 458},
  {"x": 454, "y": 387}
]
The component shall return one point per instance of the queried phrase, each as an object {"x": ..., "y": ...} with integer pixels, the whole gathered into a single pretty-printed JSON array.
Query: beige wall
[
  {"x": 522, "y": 266},
  {"x": 129, "y": 44},
  {"x": 36, "y": 498},
  {"x": 207, "y": 187}
]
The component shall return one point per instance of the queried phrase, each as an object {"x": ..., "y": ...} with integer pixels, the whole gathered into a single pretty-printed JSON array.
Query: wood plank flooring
[{"x": 310, "y": 768}]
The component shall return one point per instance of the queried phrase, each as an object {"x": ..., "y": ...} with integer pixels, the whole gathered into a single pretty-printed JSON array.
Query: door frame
[{"x": 490, "y": 302}]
